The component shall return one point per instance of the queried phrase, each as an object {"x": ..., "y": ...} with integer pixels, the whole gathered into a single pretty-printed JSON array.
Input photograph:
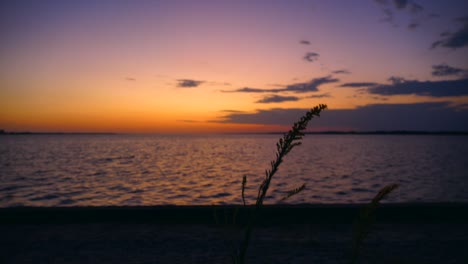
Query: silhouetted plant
[
  {"x": 366, "y": 219},
  {"x": 285, "y": 144}
]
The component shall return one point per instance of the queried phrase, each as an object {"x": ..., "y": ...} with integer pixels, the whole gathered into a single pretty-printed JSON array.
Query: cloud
[
  {"x": 415, "y": 8},
  {"x": 311, "y": 86},
  {"x": 304, "y": 42},
  {"x": 311, "y": 56},
  {"x": 458, "y": 39},
  {"x": 445, "y": 70},
  {"x": 413, "y": 25},
  {"x": 341, "y": 72},
  {"x": 130, "y": 79},
  {"x": 400, "y": 86},
  {"x": 319, "y": 95},
  {"x": 255, "y": 90},
  {"x": 231, "y": 111},
  {"x": 358, "y": 84},
  {"x": 219, "y": 83},
  {"x": 400, "y": 5},
  {"x": 188, "y": 83},
  {"x": 277, "y": 99},
  {"x": 419, "y": 116}
]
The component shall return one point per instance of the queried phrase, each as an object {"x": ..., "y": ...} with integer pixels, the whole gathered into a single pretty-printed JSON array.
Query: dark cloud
[
  {"x": 400, "y": 4},
  {"x": 311, "y": 86},
  {"x": 358, "y": 84},
  {"x": 311, "y": 56},
  {"x": 400, "y": 86},
  {"x": 341, "y": 72},
  {"x": 188, "y": 83},
  {"x": 415, "y": 8},
  {"x": 130, "y": 79},
  {"x": 413, "y": 25},
  {"x": 419, "y": 116},
  {"x": 219, "y": 83},
  {"x": 380, "y": 98},
  {"x": 231, "y": 111},
  {"x": 277, "y": 99},
  {"x": 388, "y": 16},
  {"x": 305, "y": 42},
  {"x": 445, "y": 70},
  {"x": 255, "y": 90},
  {"x": 458, "y": 39},
  {"x": 319, "y": 95}
]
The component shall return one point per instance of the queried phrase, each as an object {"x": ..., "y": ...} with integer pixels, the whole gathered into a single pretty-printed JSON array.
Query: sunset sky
[{"x": 232, "y": 66}]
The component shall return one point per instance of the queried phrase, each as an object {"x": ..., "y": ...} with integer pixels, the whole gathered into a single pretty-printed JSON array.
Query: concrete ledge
[{"x": 271, "y": 214}]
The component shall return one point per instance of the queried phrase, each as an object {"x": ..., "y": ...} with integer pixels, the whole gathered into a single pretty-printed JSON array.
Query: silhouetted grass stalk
[
  {"x": 285, "y": 144},
  {"x": 366, "y": 219}
]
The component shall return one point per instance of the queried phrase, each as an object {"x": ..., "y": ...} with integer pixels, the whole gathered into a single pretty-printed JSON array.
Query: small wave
[
  {"x": 98, "y": 173},
  {"x": 11, "y": 188},
  {"x": 42, "y": 172},
  {"x": 67, "y": 202},
  {"x": 223, "y": 194},
  {"x": 178, "y": 196},
  {"x": 45, "y": 197},
  {"x": 360, "y": 190},
  {"x": 111, "y": 159}
]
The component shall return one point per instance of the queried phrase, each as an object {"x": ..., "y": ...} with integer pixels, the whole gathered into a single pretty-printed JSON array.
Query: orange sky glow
[{"x": 182, "y": 66}]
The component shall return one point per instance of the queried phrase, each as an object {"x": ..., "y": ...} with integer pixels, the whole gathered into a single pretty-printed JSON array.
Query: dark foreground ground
[{"x": 416, "y": 233}]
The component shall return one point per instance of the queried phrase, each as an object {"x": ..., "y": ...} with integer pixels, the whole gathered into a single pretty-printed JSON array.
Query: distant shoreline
[
  {"x": 390, "y": 132},
  {"x": 57, "y": 133}
]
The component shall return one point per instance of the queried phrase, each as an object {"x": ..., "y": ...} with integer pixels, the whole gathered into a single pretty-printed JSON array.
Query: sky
[{"x": 232, "y": 66}]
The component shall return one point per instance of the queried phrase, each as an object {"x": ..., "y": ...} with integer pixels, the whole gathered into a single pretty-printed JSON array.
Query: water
[{"x": 99, "y": 170}]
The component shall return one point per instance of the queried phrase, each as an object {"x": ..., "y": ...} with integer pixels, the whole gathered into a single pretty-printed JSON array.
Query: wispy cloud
[
  {"x": 311, "y": 86},
  {"x": 457, "y": 39},
  {"x": 358, "y": 84},
  {"x": 311, "y": 56},
  {"x": 319, "y": 95},
  {"x": 304, "y": 42},
  {"x": 400, "y": 86},
  {"x": 231, "y": 111},
  {"x": 277, "y": 99},
  {"x": 254, "y": 90},
  {"x": 219, "y": 83},
  {"x": 442, "y": 70},
  {"x": 413, "y": 25},
  {"x": 188, "y": 83},
  {"x": 341, "y": 72},
  {"x": 389, "y": 7},
  {"x": 418, "y": 116},
  {"x": 130, "y": 79}
]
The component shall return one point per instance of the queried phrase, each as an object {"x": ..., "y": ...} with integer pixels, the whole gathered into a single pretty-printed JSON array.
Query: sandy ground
[{"x": 211, "y": 243}]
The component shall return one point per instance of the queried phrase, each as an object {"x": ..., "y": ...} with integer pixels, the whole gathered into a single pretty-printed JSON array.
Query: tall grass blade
[
  {"x": 294, "y": 192},
  {"x": 366, "y": 219},
  {"x": 283, "y": 147}
]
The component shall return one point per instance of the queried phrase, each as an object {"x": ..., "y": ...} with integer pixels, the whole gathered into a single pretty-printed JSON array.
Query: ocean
[{"x": 132, "y": 170}]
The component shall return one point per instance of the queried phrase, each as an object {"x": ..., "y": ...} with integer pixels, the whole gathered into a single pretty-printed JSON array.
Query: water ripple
[{"x": 150, "y": 170}]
